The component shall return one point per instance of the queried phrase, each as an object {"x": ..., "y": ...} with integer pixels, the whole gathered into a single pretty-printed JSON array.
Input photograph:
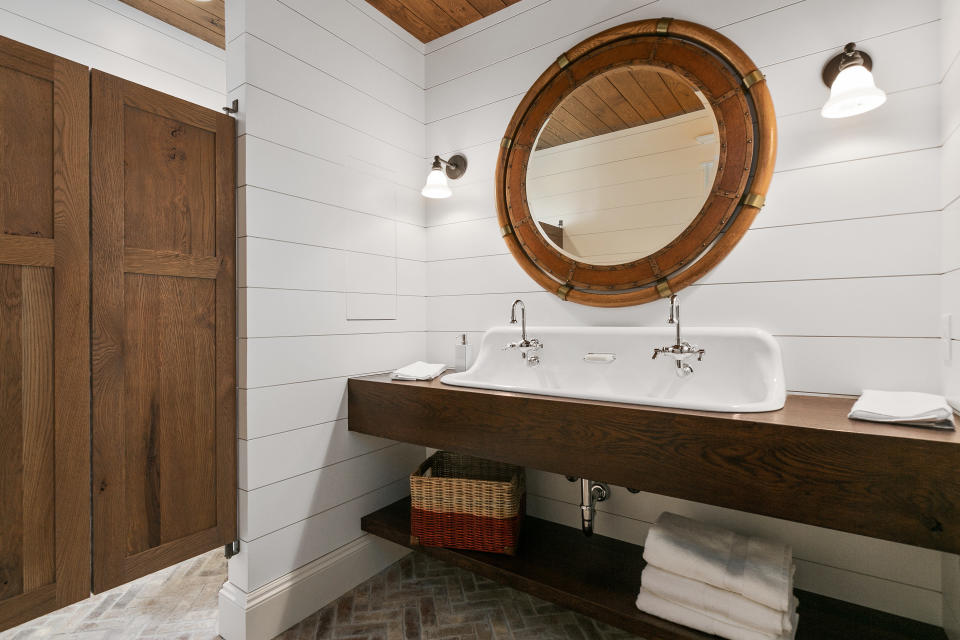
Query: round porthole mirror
[{"x": 635, "y": 163}]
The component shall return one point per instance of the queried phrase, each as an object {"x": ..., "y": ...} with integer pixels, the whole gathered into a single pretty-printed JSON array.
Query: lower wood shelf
[{"x": 599, "y": 577}]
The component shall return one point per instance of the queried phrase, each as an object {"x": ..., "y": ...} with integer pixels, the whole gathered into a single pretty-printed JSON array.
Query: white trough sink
[{"x": 741, "y": 370}]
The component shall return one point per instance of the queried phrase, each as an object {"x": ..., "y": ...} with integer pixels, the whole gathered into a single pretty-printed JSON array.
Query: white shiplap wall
[
  {"x": 331, "y": 250},
  {"x": 849, "y": 236},
  {"x": 116, "y": 38},
  {"x": 950, "y": 186},
  {"x": 950, "y": 257}
]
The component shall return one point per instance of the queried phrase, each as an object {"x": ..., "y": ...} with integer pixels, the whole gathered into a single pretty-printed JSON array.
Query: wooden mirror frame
[{"x": 741, "y": 103}]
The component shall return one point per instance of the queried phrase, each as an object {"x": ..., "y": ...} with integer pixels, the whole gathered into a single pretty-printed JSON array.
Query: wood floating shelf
[
  {"x": 600, "y": 577},
  {"x": 806, "y": 463}
]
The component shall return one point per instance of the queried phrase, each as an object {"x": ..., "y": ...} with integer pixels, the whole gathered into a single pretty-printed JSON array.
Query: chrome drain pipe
[{"x": 591, "y": 492}]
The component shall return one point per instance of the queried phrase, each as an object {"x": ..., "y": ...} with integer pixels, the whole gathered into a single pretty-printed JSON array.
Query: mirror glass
[{"x": 623, "y": 165}]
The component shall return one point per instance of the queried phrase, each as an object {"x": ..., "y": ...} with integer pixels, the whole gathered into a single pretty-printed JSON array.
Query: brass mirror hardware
[
  {"x": 752, "y": 78},
  {"x": 725, "y": 79}
]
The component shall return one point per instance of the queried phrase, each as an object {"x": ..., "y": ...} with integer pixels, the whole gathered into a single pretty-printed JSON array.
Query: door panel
[
  {"x": 164, "y": 398},
  {"x": 26, "y": 181},
  {"x": 170, "y": 387},
  {"x": 44, "y": 338}
]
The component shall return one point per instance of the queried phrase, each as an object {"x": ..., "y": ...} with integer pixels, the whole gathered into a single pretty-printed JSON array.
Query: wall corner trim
[{"x": 267, "y": 611}]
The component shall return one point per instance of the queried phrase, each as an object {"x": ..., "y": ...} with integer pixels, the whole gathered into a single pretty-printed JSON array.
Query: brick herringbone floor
[
  {"x": 418, "y": 598},
  {"x": 423, "y": 598}
]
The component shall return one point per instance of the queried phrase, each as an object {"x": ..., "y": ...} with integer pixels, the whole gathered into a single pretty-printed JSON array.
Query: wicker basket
[{"x": 464, "y": 502}]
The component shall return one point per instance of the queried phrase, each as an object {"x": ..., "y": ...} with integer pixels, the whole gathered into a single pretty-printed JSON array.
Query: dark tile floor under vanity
[{"x": 421, "y": 597}]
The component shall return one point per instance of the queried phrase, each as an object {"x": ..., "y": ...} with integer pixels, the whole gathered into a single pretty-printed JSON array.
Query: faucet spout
[
  {"x": 523, "y": 318},
  {"x": 675, "y": 314},
  {"x": 529, "y": 348}
]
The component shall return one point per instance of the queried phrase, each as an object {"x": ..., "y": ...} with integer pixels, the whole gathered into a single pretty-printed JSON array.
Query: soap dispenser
[{"x": 461, "y": 353}]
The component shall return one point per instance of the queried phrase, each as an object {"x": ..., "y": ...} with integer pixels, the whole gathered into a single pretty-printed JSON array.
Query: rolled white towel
[
  {"x": 758, "y": 569},
  {"x": 716, "y": 602},
  {"x": 663, "y": 608}
]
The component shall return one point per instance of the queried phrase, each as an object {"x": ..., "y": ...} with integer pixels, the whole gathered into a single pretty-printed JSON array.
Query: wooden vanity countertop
[{"x": 806, "y": 462}]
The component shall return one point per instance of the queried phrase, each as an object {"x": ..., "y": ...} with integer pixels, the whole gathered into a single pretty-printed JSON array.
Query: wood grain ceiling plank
[
  {"x": 580, "y": 111},
  {"x": 617, "y": 100},
  {"x": 438, "y": 19},
  {"x": 600, "y": 107},
  {"x": 627, "y": 85},
  {"x": 486, "y": 7},
  {"x": 549, "y": 138},
  {"x": 409, "y": 21},
  {"x": 203, "y": 15},
  {"x": 200, "y": 12},
  {"x": 427, "y": 20},
  {"x": 562, "y": 133},
  {"x": 187, "y": 17},
  {"x": 682, "y": 92},
  {"x": 460, "y": 10},
  {"x": 654, "y": 87},
  {"x": 568, "y": 120},
  {"x": 612, "y": 96}
]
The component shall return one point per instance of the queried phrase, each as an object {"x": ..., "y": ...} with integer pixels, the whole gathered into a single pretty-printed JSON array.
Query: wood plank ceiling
[
  {"x": 201, "y": 18},
  {"x": 427, "y": 20},
  {"x": 619, "y": 99}
]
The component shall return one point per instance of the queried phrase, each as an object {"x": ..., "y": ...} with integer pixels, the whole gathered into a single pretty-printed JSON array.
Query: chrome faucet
[
  {"x": 529, "y": 349},
  {"x": 682, "y": 350}
]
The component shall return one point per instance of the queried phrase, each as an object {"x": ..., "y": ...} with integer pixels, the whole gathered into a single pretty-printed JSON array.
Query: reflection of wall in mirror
[{"x": 624, "y": 195}]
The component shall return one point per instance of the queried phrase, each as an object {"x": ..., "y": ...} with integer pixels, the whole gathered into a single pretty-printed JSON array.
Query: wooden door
[
  {"x": 163, "y": 322},
  {"x": 44, "y": 334}
]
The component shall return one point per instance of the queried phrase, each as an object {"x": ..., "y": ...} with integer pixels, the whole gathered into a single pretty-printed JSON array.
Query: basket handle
[{"x": 425, "y": 466}]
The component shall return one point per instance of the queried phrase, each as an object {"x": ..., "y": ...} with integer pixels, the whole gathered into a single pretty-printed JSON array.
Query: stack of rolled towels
[{"x": 718, "y": 581}]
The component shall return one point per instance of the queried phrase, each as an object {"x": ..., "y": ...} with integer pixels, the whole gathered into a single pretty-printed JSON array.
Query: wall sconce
[
  {"x": 436, "y": 186},
  {"x": 852, "y": 90}
]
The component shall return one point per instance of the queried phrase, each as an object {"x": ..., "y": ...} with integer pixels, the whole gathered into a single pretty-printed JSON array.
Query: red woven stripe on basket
[{"x": 465, "y": 531}]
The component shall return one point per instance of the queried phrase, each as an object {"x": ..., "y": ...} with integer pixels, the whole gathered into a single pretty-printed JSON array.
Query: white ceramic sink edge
[{"x": 741, "y": 370}]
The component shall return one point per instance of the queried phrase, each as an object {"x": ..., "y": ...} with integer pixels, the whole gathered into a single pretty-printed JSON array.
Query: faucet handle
[{"x": 510, "y": 345}]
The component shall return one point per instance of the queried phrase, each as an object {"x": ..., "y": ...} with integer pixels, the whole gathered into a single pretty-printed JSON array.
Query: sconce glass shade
[
  {"x": 436, "y": 186},
  {"x": 852, "y": 93}
]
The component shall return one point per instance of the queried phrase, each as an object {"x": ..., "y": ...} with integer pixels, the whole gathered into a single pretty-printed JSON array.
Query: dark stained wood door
[
  {"x": 163, "y": 323},
  {"x": 44, "y": 333}
]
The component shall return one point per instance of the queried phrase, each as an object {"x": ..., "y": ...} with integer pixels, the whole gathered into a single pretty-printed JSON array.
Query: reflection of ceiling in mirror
[
  {"x": 624, "y": 195},
  {"x": 618, "y": 99}
]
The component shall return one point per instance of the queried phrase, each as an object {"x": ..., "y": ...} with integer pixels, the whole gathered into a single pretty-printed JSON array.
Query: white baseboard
[{"x": 266, "y": 612}]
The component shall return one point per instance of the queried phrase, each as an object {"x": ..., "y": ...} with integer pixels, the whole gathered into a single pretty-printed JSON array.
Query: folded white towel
[
  {"x": 419, "y": 371},
  {"x": 906, "y": 407},
  {"x": 758, "y": 569},
  {"x": 663, "y": 608},
  {"x": 715, "y": 602}
]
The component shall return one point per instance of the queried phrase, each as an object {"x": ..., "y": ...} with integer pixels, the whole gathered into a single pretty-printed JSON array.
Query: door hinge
[
  {"x": 231, "y": 549},
  {"x": 233, "y": 108}
]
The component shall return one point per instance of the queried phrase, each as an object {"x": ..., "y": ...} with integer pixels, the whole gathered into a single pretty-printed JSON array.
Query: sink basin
[{"x": 741, "y": 371}]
